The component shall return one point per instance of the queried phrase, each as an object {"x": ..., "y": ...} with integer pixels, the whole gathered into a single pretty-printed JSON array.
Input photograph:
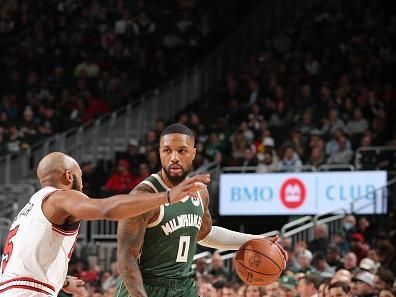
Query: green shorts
[{"x": 160, "y": 287}]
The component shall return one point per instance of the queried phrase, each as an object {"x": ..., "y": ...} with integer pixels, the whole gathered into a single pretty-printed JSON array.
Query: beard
[
  {"x": 75, "y": 185},
  {"x": 177, "y": 179}
]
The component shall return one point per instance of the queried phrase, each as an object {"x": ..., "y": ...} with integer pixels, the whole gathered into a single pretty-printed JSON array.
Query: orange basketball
[{"x": 259, "y": 262}]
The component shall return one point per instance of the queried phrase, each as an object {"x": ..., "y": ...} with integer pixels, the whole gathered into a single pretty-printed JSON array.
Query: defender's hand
[
  {"x": 73, "y": 285},
  {"x": 189, "y": 187}
]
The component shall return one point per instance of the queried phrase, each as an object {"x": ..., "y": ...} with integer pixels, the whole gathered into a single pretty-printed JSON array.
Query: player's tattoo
[
  {"x": 130, "y": 240},
  {"x": 207, "y": 218}
]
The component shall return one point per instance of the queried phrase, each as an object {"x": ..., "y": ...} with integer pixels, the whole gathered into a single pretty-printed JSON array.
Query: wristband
[{"x": 168, "y": 196}]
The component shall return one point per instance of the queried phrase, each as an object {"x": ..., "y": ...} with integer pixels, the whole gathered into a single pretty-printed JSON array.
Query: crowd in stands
[
  {"x": 67, "y": 62},
  {"x": 355, "y": 261},
  {"x": 321, "y": 87}
]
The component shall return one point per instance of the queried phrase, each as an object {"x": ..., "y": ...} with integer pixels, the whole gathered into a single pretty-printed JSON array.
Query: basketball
[{"x": 259, "y": 262}]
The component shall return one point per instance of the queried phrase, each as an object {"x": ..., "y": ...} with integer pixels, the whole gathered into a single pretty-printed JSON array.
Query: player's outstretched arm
[
  {"x": 76, "y": 204},
  {"x": 130, "y": 237},
  {"x": 224, "y": 239}
]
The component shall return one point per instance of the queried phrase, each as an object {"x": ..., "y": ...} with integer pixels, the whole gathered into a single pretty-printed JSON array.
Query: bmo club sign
[{"x": 302, "y": 193}]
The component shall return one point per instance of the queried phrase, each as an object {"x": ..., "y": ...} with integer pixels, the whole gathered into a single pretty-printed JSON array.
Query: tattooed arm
[
  {"x": 206, "y": 226},
  {"x": 130, "y": 235}
]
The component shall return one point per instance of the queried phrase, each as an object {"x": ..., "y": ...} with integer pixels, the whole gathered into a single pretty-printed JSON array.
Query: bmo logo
[{"x": 293, "y": 193}]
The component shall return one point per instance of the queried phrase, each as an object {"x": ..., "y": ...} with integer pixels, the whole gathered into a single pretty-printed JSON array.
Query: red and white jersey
[{"x": 36, "y": 253}]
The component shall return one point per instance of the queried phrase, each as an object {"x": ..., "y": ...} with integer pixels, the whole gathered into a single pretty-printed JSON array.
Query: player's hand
[
  {"x": 74, "y": 286},
  {"x": 189, "y": 187},
  {"x": 275, "y": 240}
]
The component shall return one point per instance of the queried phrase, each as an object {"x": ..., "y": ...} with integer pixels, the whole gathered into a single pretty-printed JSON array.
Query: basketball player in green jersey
[{"x": 156, "y": 249}]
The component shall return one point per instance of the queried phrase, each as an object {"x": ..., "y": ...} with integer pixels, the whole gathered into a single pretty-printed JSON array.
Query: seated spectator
[
  {"x": 201, "y": 268},
  {"x": 228, "y": 290},
  {"x": 213, "y": 146},
  {"x": 121, "y": 181},
  {"x": 133, "y": 155},
  {"x": 332, "y": 144},
  {"x": 273, "y": 289},
  {"x": 238, "y": 145},
  {"x": 304, "y": 258},
  {"x": 341, "y": 275},
  {"x": 358, "y": 246},
  {"x": 268, "y": 164},
  {"x": 308, "y": 285},
  {"x": 218, "y": 269},
  {"x": 290, "y": 161},
  {"x": 317, "y": 157},
  {"x": 386, "y": 253},
  {"x": 359, "y": 124},
  {"x": 322, "y": 267},
  {"x": 253, "y": 291},
  {"x": 364, "y": 227},
  {"x": 320, "y": 242},
  {"x": 383, "y": 280},
  {"x": 342, "y": 154},
  {"x": 369, "y": 265},
  {"x": 365, "y": 284},
  {"x": 112, "y": 279},
  {"x": 332, "y": 123},
  {"x": 339, "y": 289},
  {"x": 249, "y": 160},
  {"x": 288, "y": 284},
  {"x": 350, "y": 262}
]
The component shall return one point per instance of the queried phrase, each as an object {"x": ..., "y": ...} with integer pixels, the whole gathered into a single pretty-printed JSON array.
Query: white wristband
[{"x": 224, "y": 239}]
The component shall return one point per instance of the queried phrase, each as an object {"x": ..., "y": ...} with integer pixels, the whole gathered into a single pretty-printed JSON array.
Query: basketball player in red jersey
[{"x": 38, "y": 248}]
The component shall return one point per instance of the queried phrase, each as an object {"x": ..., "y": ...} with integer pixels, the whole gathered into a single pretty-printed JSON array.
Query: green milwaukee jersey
[{"x": 170, "y": 242}]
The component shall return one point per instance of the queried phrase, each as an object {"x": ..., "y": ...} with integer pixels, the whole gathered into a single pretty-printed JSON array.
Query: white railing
[{"x": 376, "y": 157}]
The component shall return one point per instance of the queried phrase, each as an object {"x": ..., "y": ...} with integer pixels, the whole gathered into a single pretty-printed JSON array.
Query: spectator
[
  {"x": 304, "y": 258},
  {"x": 332, "y": 123},
  {"x": 133, "y": 155},
  {"x": 317, "y": 157},
  {"x": 201, "y": 268},
  {"x": 342, "y": 275},
  {"x": 228, "y": 291},
  {"x": 359, "y": 124},
  {"x": 349, "y": 225},
  {"x": 364, "y": 228},
  {"x": 308, "y": 285},
  {"x": 350, "y": 262},
  {"x": 340, "y": 289},
  {"x": 368, "y": 265},
  {"x": 238, "y": 145},
  {"x": 287, "y": 285},
  {"x": 112, "y": 279},
  {"x": 268, "y": 164},
  {"x": 273, "y": 289},
  {"x": 218, "y": 269},
  {"x": 342, "y": 154},
  {"x": 358, "y": 246},
  {"x": 365, "y": 284},
  {"x": 249, "y": 160},
  {"x": 333, "y": 257},
  {"x": 253, "y": 291},
  {"x": 121, "y": 181},
  {"x": 383, "y": 280},
  {"x": 322, "y": 267},
  {"x": 320, "y": 242},
  {"x": 290, "y": 161}
]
